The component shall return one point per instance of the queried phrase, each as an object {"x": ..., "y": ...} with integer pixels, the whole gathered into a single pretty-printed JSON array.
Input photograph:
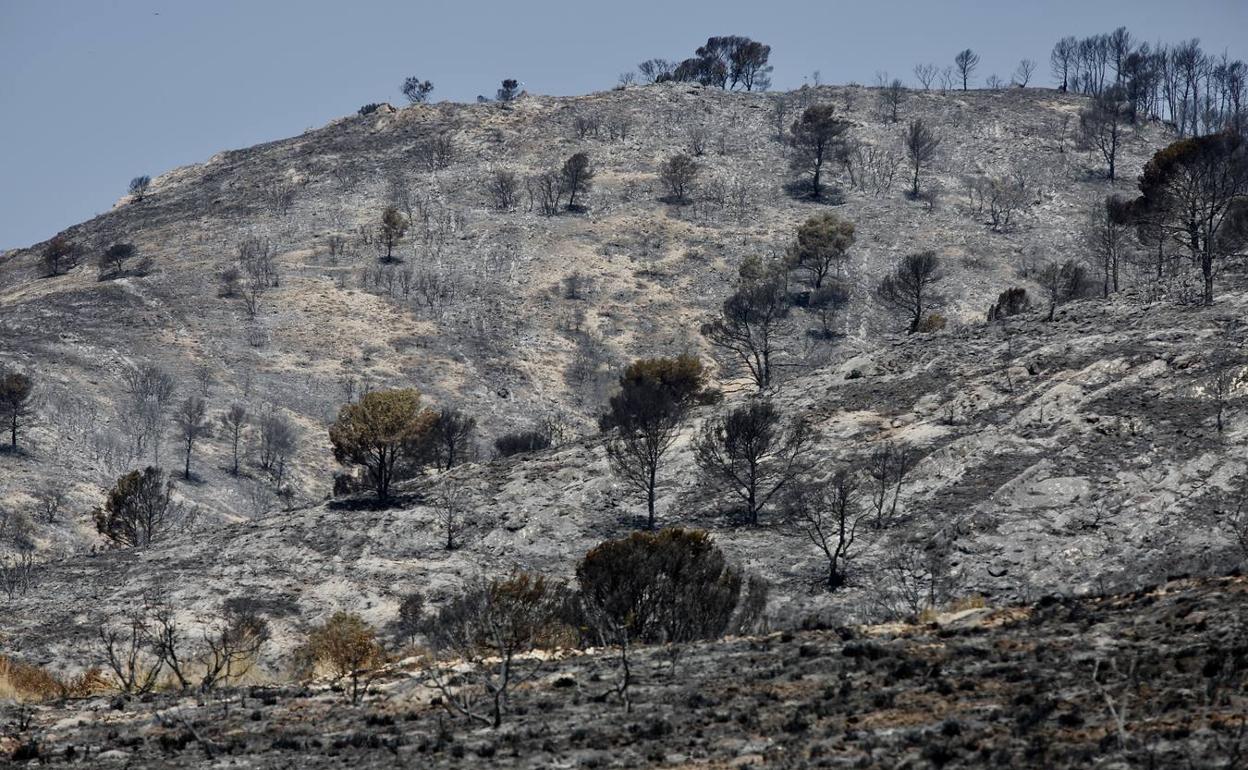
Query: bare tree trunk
[
  {"x": 627, "y": 678},
  {"x": 1206, "y": 269},
  {"x": 650, "y": 496}
]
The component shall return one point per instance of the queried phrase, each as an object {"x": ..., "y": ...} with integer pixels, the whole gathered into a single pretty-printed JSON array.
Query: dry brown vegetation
[
  {"x": 23, "y": 682},
  {"x": 1154, "y": 677}
]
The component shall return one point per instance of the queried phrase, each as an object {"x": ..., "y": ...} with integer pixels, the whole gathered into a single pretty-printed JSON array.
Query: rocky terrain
[
  {"x": 1154, "y": 678},
  {"x": 1087, "y": 463},
  {"x": 515, "y": 317},
  {"x": 1061, "y": 470}
]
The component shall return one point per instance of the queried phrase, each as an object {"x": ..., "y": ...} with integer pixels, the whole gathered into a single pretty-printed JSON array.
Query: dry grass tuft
[
  {"x": 25, "y": 682},
  {"x": 972, "y": 602}
]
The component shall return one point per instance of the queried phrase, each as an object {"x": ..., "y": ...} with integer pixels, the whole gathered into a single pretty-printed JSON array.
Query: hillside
[
  {"x": 1058, "y": 470},
  {"x": 1087, "y": 463},
  {"x": 493, "y": 319}
]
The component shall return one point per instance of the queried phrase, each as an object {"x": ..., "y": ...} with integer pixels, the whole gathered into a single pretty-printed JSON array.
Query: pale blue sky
[{"x": 94, "y": 92}]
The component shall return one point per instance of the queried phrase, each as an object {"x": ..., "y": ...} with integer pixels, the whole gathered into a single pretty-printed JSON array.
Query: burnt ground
[
  {"x": 1071, "y": 458},
  {"x": 1090, "y": 465},
  {"x": 1154, "y": 678}
]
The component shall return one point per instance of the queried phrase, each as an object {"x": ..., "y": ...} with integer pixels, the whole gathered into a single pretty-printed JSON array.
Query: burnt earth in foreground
[{"x": 1155, "y": 678}]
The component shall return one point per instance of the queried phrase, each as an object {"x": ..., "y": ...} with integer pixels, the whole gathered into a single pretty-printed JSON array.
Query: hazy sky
[{"x": 94, "y": 92}]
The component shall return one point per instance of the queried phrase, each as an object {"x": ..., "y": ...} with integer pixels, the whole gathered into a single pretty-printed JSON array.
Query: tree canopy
[
  {"x": 1196, "y": 191},
  {"x": 814, "y": 137},
  {"x": 381, "y": 429},
  {"x": 416, "y": 90},
  {"x": 655, "y": 394},
  {"x": 138, "y": 510},
  {"x": 821, "y": 246},
  {"x": 15, "y": 396},
  {"x": 908, "y": 289},
  {"x": 752, "y": 320}
]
